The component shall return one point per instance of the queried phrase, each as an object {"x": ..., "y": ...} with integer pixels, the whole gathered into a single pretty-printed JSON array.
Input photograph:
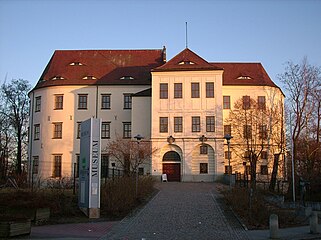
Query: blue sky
[{"x": 271, "y": 32}]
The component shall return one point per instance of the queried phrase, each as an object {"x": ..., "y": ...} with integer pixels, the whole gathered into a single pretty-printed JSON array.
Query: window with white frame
[
  {"x": 59, "y": 101},
  {"x": 57, "y": 133},
  {"x": 36, "y": 132},
  {"x": 35, "y": 164},
  {"x": 38, "y": 104},
  {"x": 57, "y": 162}
]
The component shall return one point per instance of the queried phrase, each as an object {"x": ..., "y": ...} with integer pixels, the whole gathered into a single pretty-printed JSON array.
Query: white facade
[
  {"x": 186, "y": 131},
  {"x": 187, "y": 143},
  {"x": 68, "y": 146}
]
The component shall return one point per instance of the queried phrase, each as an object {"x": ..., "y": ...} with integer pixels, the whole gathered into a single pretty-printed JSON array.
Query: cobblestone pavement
[{"x": 180, "y": 211}]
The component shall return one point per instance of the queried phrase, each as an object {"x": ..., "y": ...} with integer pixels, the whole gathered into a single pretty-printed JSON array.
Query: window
[
  {"x": 126, "y": 78},
  {"x": 209, "y": 89},
  {"x": 57, "y": 130},
  {"x": 104, "y": 165},
  {"x": 89, "y": 77},
  {"x": 261, "y": 102},
  {"x": 76, "y": 168},
  {"x": 38, "y": 104},
  {"x": 196, "y": 124},
  {"x": 227, "y": 130},
  {"x": 163, "y": 124},
  {"x": 82, "y": 101},
  {"x": 57, "y": 78},
  {"x": 141, "y": 171},
  {"x": 57, "y": 166},
  {"x": 78, "y": 129},
  {"x": 247, "y": 154},
  {"x": 264, "y": 155},
  {"x": 264, "y": 169},
  {"x": 226, "y": 102},
  {"x": 247, "y": 170},
  {"x": 76, "y": 64},
  {"x": 178, "y": 88},
  {"x": 35, "y": 165},
  {"x": 105, "y": 101},
  {"x": 210, "y": 124},
  {"x": 247, "y": 131},
  {"x": 246, "y": 102},
  {"x": 59, "y": 100},
  {"x": 203, "y": 149},
  {"x": 228, "y": 169},
  {"x": 203, "y": 168},
  {"x": 263, "y": 132},
  {"x": 226, "y": 154},
  {"x": 127, "y": 101},
  {"x": 36, "y": 132},
  {"x": 178, "y": 124},
  {"x": 163, "y": 87},
  {"x": 105, "y": 130},
  {"x": 127, "y": 130},
  {"x": 195, "y": 87}
]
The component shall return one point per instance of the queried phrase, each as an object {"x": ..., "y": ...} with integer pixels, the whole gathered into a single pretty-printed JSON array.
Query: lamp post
[
  {"x": 138, "y": 138},
  {"x": 228, "y": 138}
]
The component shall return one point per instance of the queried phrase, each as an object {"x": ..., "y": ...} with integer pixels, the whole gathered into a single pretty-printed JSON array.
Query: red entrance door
[{"x": 173, "y": 171}]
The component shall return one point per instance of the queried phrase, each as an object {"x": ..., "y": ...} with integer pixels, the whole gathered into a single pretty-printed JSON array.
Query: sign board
[{"x": 89, "y": 168}]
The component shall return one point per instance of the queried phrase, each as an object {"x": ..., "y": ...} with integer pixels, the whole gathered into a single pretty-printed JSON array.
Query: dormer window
[
  {"x": 57, "y": 78},
  {"x": 185, "y": 63},
  {"x": 89, "y": 77},
  {"x": 76, "y": 64},
  {"x": 126, "y": 78},
  {"x": 244, "y": 78}
]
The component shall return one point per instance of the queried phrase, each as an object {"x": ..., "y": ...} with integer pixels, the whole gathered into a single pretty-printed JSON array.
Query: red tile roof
[
  {"x": 133, "y": 67},
  {"x": 106, "y": 66},
  {"x": 186, "y": 60},
  {"x": 245, "y": 74}
]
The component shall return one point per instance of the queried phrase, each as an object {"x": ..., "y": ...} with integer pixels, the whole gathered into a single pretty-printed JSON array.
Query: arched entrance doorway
[{"x": 172, "y": 166}]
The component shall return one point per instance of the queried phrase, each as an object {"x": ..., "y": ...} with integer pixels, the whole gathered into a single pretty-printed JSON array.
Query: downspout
[
  {"x": 96, "y": 101},
  {"x": 30, "y": 142}
]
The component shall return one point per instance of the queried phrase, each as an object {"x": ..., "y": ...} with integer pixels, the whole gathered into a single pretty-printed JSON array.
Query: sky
[{"x": 268, "y": 31}]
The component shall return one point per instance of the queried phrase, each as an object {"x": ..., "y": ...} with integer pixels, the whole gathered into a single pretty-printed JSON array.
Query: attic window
[
  {"x": 57, "y": 78},
  {"x": 89, "y": 77},
  {"x": 127, "y": 78},
  {"x": 185, "y": 63},
  {"x": 76, "y": 64},
  {"x": 244, "y": 78}
]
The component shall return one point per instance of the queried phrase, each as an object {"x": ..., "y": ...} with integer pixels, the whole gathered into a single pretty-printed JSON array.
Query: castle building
[{"x": 181, "y": 106}]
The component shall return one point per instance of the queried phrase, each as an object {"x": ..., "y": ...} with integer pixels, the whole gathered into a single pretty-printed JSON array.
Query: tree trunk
[
  {"x": 274, "y": 171},
  {"x": 253, "y": 170},
  {"x": 19, "y": 153}
]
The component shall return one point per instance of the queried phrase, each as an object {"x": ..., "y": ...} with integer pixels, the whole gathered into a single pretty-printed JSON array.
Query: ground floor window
[
  {"x": 35, "y": 165},
  {"x": 203, "y": 149},
  {"x": 264, "y": 169},
  {"x": 57, "y": 166},
  {"x": 76, "y": 170},
  {"x": 141, "y": 171},
  {"x": 104, "y": 165},
  {"x": 203, "y": 168},
  {"x": 228, "y": 169}
]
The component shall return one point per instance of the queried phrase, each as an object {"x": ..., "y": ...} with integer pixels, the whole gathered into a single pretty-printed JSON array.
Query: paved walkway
[{"x": 179, "y": 211}]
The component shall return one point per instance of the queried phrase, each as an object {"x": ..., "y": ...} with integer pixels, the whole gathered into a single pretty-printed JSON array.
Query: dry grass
[{"x": 254, "y": 211}]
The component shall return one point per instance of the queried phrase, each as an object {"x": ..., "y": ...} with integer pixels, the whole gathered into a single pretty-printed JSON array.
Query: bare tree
[
  {"x": 257, "y": 129},
  {"x": 129, "y": 154},
  {"x": 303, "y": 85},
  {"x": 15, "y": 109}
]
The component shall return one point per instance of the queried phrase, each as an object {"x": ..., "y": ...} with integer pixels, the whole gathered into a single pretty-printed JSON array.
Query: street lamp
[
  {"x": 138, "y": 138},
  {"x": 228, "y": 138}
]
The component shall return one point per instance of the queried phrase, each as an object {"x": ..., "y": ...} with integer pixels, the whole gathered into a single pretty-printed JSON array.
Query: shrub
[{"x": 118, "y": 196}]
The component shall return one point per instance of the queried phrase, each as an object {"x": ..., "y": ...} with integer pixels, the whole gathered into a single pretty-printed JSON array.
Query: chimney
[{"x": 164, "y": 54}]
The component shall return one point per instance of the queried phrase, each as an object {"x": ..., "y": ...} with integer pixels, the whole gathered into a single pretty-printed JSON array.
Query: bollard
[
  {"x": 314, "y": 223},
  {"x": 274, "y": 226}
]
